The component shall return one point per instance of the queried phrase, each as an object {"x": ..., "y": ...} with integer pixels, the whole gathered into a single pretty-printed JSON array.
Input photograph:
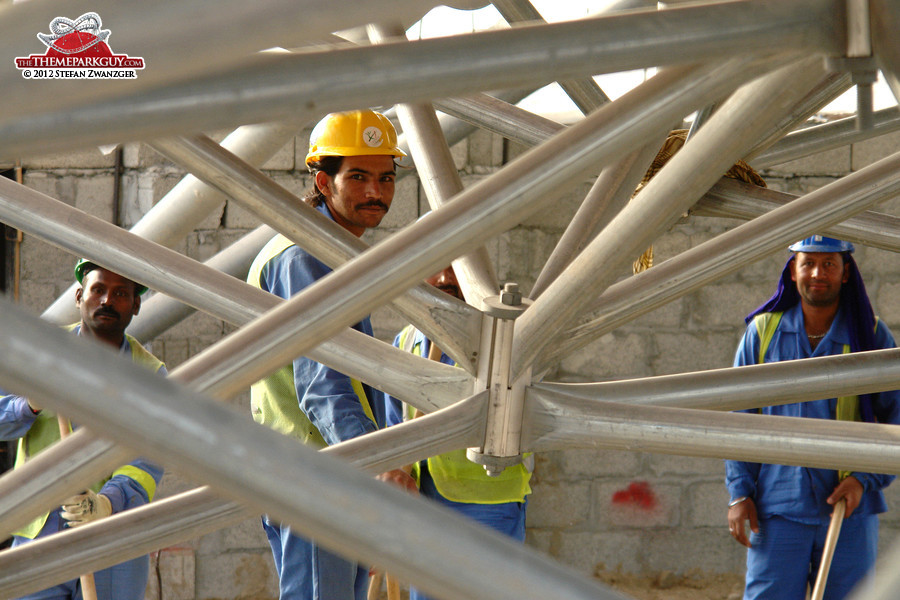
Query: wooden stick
[
  {"x": 88, "y": 587},
  {"x": 393, "y": 587},
  {"x": 375, "y": 585},
  {"x": 834, "y": 529}
]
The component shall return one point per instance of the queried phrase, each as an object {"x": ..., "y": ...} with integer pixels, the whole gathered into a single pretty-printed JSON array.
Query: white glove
[{"x": 85, "y": 508}]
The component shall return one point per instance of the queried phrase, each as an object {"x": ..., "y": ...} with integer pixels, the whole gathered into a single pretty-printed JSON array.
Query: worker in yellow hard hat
[{"x": 351, "y": 158}]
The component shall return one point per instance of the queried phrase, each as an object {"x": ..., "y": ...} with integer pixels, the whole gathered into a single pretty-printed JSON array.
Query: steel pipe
[
  {"x": 447, "y": 320},
  {"x": 352, "y": 77},
  {"x": 692, "y": 171},
  {"x": 752, "y": 386},
  {"x": 584, "y": 91},
  {"x": 827, "y": 136},
  {"x": 726, "y": 253},
  {"x": 884, "y": 18},
  {"x": 305, "y": 489},
  {"x": 505, "y": 119},
  {"x": 734, "y": 199},
  {"x": 160, "y": 312},
  {"x": 478, "y": 213},
  {"x": 556, "y": 421},
  {"x": 223, "y": 296},
  {"x": 136, "y": 532},
  {"x": 609, "y": 194},
  {"x": 189, "y": 202}
]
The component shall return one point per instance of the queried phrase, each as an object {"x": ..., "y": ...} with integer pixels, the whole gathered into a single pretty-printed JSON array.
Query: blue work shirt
[
  {"x": 326, "y": 396},
  {"x": 794, "y": 492}
]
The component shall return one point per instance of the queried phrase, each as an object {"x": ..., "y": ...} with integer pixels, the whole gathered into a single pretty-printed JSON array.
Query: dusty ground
[
  {"x": 665, "y": 586},
  {"x": 668, "y": 586}
]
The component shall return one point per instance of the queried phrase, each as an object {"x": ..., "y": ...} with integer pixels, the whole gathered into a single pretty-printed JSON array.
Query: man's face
[
  {"x": 360, "y": 194},
  {"x": 446, "y": 282},
  {"x": 107, "y": 303},
  {"x": 819, "y": 276}
]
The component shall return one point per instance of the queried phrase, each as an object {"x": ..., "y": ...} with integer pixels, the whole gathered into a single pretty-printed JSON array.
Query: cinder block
[
  {"x": 592, "y": 554},
  {"x": 871, "y": 151},
  {"x": 284, "y": 159},
  {"x": 726, "y": 304},
  {"x": 173, "y": 576},
  {"x": 548, "y": 467},
  {"x": 638, "y": 503},
  {"x": 237, "y": 575},
  {"x": 559, "y": 505},
  {"x": 36, "y": 295},
  {"x": 669, "y": 315},
  {"x": 711, "y": 549},
  {"x": 616, "y": 355},
  {"x": 94, "y": 195},
  {"x": 405, "y": 206},
  {"x": 40, "y": 260},
  {"x": 197, "y": 325},
  {"x": 590, "y": 464},
  {"x": 523, "y": 252},
  {"x": 683, "y": 352},
  {"x": 484, "y": 149},
  {"x": 670, "y": 464},
  {"x": 89, "y": 158},
  {"x": 836, "y": 161},
  {"x": 707, "y": 503},
  {"x": 555, "y": 212},
  {"x": 246, "y": 535},
  {"x": 141, "y": 156},
  {"x": 173, "y": 352}
]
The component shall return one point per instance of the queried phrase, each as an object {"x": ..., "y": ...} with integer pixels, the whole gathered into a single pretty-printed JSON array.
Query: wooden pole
[
  {"x": 88, "y": 587},
  {"x": 834, "y": 529}
]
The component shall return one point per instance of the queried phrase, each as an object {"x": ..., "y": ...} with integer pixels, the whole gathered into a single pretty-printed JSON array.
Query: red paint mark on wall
[{"x": 638, "y": 494}]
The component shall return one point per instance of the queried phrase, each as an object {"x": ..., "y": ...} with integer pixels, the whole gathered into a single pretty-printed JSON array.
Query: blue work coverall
[
  {"x": 790, "y": 500},
  {"x": 127, "y": 580},
  {"x": 506, "y": 517},
  {"x": 327, "y": 398}
]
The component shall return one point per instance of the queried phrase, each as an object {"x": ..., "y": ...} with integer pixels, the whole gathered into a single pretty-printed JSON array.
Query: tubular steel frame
[{"x": 768, "y": 76}]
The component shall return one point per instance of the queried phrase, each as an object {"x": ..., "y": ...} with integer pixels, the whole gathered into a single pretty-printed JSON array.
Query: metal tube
[
  {"x": 160, "y": 312},
  {"x": 502, "y": 118},
  {"x": 830, "y": 87},
  {"x": 584, "y": 91},
  {"x": 727, "y": 252},
  {"x": 452, "y": 323},
  {"x": 305, "y": 489},
  {"x": 609, "y": 194},
  {"x": 753, "y": 386},
  {"x": 692, "y": 171},
  {"x": 827, "y": 136},
  {"x": 558, "y": 421},
  {"x": 734, "y": 199},
  {"x": 414, "y": 71},
  {"x": 441, "y": 181},
  {"x": 223, "y": 296},
  {"x": 479, "y": 212},
  {"x": 884, "y": 18},
  {"x": 189, "y": 202},
  {"x": 135, "y": 532}
]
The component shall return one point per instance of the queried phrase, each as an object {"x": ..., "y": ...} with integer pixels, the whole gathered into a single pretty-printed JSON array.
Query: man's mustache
[
  {"x": 106, "y": 311},
  {"x": 373, "y": 204},
  {"x": 452, "y": 290}
]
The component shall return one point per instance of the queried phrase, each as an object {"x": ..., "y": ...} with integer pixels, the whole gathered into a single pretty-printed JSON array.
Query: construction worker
[
  {"x": 820, "y": 308},
  {"x": 351, "y": 157},
  {"x": 451, "y": 479},
  {"x": 107, "y": 302}
]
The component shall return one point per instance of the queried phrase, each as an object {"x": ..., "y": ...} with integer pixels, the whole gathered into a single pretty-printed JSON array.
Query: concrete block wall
[{"x": 594, "y": 509}]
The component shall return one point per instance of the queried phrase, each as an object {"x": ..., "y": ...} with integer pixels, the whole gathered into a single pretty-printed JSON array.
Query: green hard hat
[{"x": 84, "y": 264}]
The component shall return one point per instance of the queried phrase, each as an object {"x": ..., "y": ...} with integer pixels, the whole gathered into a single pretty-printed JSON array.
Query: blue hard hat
[{"x": 820, "y": 243}]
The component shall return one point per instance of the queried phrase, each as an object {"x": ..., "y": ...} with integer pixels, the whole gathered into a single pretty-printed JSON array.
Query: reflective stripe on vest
[
  {"x": 455, "y": 476},
  {"x": 273, "y": 400},
  {"x": 847, "y": 408},
  {"x": 45, "y": 432}
]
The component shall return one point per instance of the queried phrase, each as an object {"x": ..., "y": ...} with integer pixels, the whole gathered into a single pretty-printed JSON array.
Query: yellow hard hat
[{"x": 353, "y": 133}]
